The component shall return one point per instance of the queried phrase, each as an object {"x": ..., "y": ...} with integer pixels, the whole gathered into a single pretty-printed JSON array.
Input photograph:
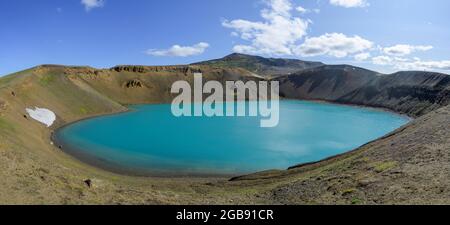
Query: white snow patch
[{"x": 42, "y": 115}]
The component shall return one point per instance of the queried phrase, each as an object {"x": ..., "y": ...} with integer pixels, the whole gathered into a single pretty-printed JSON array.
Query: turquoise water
[{"x": 150, "y": 140}]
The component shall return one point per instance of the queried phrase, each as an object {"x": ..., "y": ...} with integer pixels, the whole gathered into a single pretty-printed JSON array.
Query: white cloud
[
  {"x": 180, "y": 51},
  {"x": 280, "y": 32},
  {"x": 382, "y": 60},
  {"x": 277, "y": 34},
  {"x": 362, "y": 56},
  {"x": 411, "y": 63},
  {"x": 402, "y": 50},
  {"x": 301, "y": 9},
  {"x": 429, "y": 65},
  {"x": 91, "y": 4},
  {"x": 334, "y": 44},
  {"x": 350, "y": 3}
]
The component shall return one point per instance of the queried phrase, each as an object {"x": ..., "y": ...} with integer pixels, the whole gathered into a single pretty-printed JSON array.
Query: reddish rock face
[{"x": 147, "y": 69}]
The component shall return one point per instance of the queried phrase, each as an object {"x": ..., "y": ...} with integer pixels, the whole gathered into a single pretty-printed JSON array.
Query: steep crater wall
[{"x": 411, "y": 93}]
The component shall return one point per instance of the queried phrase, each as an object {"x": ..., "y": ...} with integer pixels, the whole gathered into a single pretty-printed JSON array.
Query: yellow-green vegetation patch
[
  {"x": 5, "y": 80},
  {"x": 84, "y": 110},
  {"x": 384, "y": 166},
  {"x": 348, "y": 191},
  {"x": 365, "y": 159},
  {"x": 5, "y": 125},
  {"x": 47, "y": 79},
  {"x": 357, "y": 201}
]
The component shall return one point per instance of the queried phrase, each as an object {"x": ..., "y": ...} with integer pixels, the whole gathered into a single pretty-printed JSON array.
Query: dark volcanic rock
[
  {"x": 413, "y": 93},
  {"x": 88, "y": 183},
  {"x": 133, "y": 84},
  {"x": 134, "y": 69}
]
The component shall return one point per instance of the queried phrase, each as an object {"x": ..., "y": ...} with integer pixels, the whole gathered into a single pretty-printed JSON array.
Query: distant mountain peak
[
  {"x": 237, "y": 55},
  {"x": 263, "y": 66}
]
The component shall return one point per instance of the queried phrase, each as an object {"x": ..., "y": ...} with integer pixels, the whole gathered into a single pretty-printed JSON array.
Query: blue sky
[{"x": 384, "y": 35}]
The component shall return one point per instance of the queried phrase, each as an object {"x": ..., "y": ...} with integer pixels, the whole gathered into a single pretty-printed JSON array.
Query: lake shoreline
[{"x": 120, "y": 170}]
